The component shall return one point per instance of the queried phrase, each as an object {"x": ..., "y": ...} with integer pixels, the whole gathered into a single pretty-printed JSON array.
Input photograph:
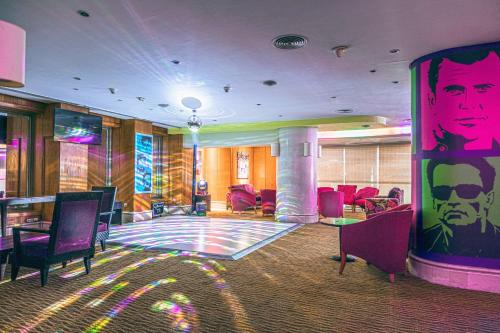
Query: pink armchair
[
  {"x": 324, "y": 189},
  {"x": 349, "y": 193},
  {"x": 381, "y": 240},
  {"x": 362, "y": 194},
  {"x": 242, "y": 198},
  {"x": 331, "y": 204},
  {"x": 246, "y": 187},
  {"x": 268, "y": 198}
]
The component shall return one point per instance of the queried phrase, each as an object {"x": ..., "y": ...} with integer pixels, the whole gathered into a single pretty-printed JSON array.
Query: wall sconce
[
  {"x": 275, "y": 149},
  {"x": 307, "y": 149},
  {"x": 12, "y": 55}
]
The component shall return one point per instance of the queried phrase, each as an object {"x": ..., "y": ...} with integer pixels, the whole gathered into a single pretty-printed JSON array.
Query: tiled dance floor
[{"x": 213, "y": 237}]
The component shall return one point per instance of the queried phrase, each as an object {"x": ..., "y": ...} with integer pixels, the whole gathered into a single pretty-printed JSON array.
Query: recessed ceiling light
[
  {"x": 333, "y": 97},
  {"x": 175, "y": 62},
  {"x": 394, "y": 51},
  {"x": 345, "y": 111},
  {"x": 214, "y": 120},
  {"x": 289, "y": 42},
  {"x": 227, "y": 88},
  {"x": 258, "y": 104},
  {"x": 119, "y": 100},
  {"x": 76, "y": 89},
  {"x": 280, "y": 115},
  {"x": 365, "y": 126},
  {"x": 141, "y": 98},
  {"x": 269, "y": 83},
  {"x": 150, "y": 109},
  {"x": 395, "y": 82},
  {"x": 163, "y": 105},
  {"x": 373, "y": 70},
  {"x": 112, "y": 90},
  {"x": 340, "y": 50},
  {"x": 83, "y": 13},
  {"x": 76, "y": 78}
]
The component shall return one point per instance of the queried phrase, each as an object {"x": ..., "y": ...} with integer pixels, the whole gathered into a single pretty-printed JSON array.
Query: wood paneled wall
[
  {"x": 17, "y": 155},
  {"x": 219, "y": 169}
]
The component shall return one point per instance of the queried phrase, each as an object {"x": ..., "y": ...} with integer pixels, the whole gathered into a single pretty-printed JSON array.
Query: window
[{"x": 157, "y": 166}]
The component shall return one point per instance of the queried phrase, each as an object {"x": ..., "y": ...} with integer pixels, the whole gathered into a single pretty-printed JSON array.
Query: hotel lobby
[{"x": 258, "y": 166}]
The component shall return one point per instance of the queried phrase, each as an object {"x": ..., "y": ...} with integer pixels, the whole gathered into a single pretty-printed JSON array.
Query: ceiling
[{"x": 129, "y": 45}]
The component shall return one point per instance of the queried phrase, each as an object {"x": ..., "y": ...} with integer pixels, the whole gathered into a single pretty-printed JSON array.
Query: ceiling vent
[{"x": 289, "y": 42}]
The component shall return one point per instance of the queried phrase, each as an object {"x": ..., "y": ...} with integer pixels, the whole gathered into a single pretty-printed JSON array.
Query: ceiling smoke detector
[
  {"x": 269, "y": 83},
  {"x": 289, "y": 42},
  {"x": 345, "y": 111}
]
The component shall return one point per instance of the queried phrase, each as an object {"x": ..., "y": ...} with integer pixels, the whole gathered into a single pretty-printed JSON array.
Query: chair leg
[
  {"x": 343, "y": 260},
  {"x": 392, "y": 277},
  {"x": 103, "y": 244},
  {"x": 14, "y": 269},
  {"x": 3, "y": 265},
  {"x": 44, "y": 275},
  {"x": 86, "y": 262}
]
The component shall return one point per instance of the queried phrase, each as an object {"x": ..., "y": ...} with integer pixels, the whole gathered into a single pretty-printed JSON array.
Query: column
[
  {"x": 296, "y": 193},
  {"x": 456, "y": 167}
]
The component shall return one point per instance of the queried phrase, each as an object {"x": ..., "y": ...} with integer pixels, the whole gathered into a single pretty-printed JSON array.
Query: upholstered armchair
[
  {"x": 382, "y": 240},
  {"x": 268, "y": 198},
  {"x": 349, "y": 193},
  {"x": 362, "y": 194},
  {"x": 71, "y": 235},
  {"x": 246, "y": 187},
  {"x": 242, "y": 199},
  {"x": 331, "y": 204},
  {"x": 106, "y": 214},
  {"x": 322, "y": 189}
]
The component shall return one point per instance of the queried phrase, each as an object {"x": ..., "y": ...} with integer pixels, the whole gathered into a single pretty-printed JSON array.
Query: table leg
[
  {"x": 3, "y": 219},
  {"x": 338, "y": 257}
]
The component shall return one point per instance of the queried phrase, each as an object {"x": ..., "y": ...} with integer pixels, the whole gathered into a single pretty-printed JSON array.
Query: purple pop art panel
[{"x": 460, "y": 101}]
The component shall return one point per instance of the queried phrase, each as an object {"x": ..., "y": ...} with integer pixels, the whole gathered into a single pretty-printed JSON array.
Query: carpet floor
[{"x": 290, "y": 285}]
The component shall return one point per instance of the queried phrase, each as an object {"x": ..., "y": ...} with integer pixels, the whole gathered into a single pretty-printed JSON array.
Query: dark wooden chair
[
  {"x": 71, "y": 235},
  {"x": 108, "y": 203}
]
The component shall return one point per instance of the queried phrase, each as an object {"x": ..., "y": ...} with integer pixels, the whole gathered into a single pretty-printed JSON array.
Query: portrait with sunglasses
[{"x": 462, "y": 192}]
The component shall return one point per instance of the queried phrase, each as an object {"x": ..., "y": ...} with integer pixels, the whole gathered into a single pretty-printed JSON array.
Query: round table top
[{"x": 339, "y": 221}]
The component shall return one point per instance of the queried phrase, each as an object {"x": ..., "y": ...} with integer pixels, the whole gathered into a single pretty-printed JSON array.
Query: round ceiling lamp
[
  {"x": 194, "y": 122},
  {"x": 12, "y": 55}
]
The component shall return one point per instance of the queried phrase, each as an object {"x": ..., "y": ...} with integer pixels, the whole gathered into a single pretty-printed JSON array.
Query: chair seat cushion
[
  {"x": 35, "y": 246},
  {"x": 102, "y": 227}
]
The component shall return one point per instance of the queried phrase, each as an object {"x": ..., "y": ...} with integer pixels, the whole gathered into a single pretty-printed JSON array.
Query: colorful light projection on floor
[
  {"x": 98, "y": 301},
  {"x": 58, "y": 267},
  {"x": 99, "y": 324},
  {"x": 217, "y": 238},
  {"x": 179, "y": 309},
  {"x": 209, "y": 271},
  {"x": 106, "y": 280}
]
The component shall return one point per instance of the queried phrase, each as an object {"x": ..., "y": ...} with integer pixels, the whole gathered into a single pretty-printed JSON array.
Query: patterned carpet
[{"x": 290, "y": 285}]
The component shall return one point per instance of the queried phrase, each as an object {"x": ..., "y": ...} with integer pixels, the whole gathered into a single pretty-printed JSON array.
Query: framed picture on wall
[
  {"x": 242, "y": 165},
  {"x": 143, "y": 163}
]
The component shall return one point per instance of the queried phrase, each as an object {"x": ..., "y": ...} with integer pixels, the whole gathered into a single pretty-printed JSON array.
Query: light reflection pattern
[
  {"x": 219, "y": 238},
  {"x": 99, "y": 324},
  {"x": 179, "y": 310},
  {"x": 98, "y": 301},
  {"x": 106, "y": 280},
  {"x": 81, "y": 270},
  {"x": 209, "y": 271},
  {"x": 54, "y": 268}
]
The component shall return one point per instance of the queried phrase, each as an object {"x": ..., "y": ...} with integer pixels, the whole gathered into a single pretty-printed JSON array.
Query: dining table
[{"x": 15, "y": 201}]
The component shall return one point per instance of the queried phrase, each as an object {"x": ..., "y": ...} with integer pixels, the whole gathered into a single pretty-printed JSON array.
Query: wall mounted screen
[
  {"x": 143, "y": 163},
  {"x": 76, "y": 127}
]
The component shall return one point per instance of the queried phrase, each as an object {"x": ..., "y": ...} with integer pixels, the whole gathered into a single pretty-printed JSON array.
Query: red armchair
[
  {"x": 242, "y": 198},
  {"x": 381, "y": 240},
  {"x": 349, "y": 193},
  {"x": 324, "y": 189},
  {"x": 362, "y": 194},
  {"x": 268, "y": 198},
  {"x": 245, "y": 187},
  {"x": 331, "y": 204}
]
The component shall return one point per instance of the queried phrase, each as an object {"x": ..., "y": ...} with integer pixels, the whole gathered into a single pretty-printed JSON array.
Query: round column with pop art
[{"x": 456, "y": 167}]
